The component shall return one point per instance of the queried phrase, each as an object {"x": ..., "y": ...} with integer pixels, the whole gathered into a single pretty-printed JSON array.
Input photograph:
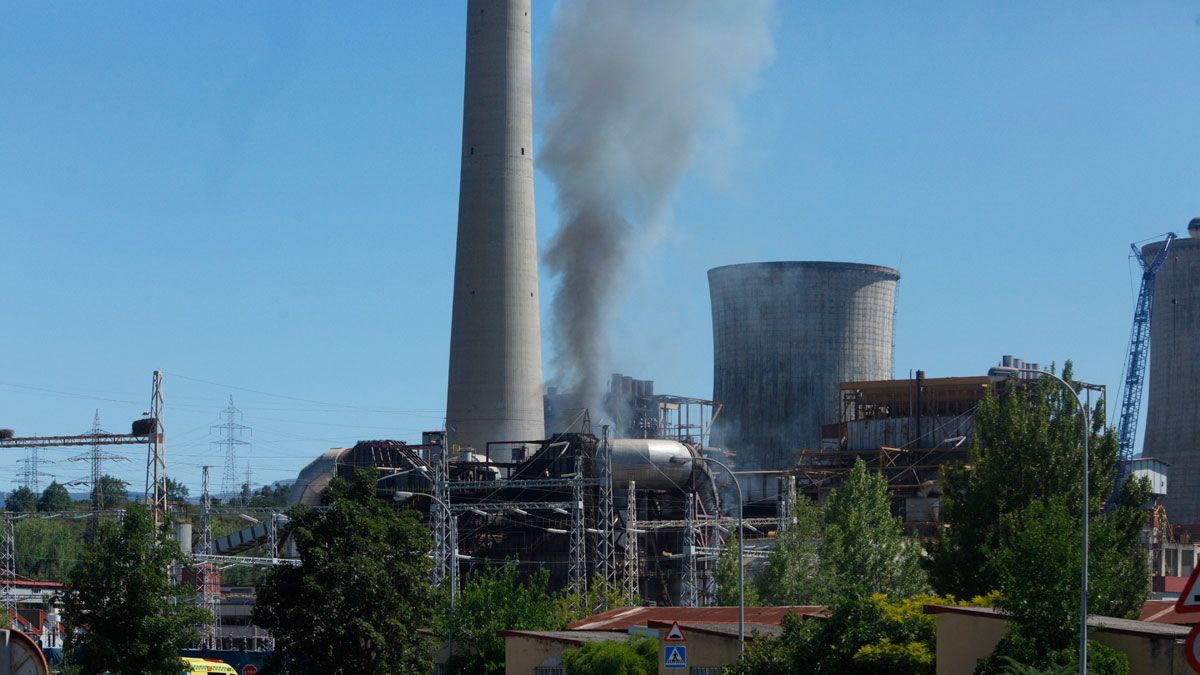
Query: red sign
[
  {"x": 249, "y": 669},
  {"x": 1192, "y": 648},
  {"x": 1189, "y": 599},
  {"x": 675, "y": 634}
]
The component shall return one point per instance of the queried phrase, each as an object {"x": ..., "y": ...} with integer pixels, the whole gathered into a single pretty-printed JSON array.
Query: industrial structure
[
  {"x": 641, "y": 514},
  {"x": 495, "y": 383},
  {"x": 1173, "y": 404},
  {"x": 785, "y": 334}
]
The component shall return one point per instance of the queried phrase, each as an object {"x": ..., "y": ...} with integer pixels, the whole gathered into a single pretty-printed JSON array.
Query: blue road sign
[{"x": 675, "y": 656}]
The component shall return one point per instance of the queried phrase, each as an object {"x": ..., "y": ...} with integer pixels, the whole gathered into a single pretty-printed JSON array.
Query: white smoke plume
[{"x": 633, "y": 87}]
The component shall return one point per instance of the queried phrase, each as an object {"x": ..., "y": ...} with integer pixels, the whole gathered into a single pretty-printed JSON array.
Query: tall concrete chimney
[{"x": 495, "y": 387}]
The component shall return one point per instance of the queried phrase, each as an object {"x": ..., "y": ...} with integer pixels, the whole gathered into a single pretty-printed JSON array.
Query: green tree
[
  {"x": 864, "y": 550},
  {"x": 862, "y": 635},
  {"x": 21, "y": 500},
  {"x": 177, "y": 492},
  {"x": 111, "y": 492},
  {"x": 361, "y": 596},
  {"x": 54, "y": 498},
  {"x": 633, "y": 656},
  {"x": 792, "y": 572},
  {"x": 1014, "y": 523},
  {"x": 597, "y": 597},
  {"x": 726, "y": 575},
  {"x": 122, "y": 609},
  {"x": 499, "y": 599},
  {"x": 271, "y": 496},
  {"x": 47, "y": 550},
  {"x": 1026, "y": 448}
]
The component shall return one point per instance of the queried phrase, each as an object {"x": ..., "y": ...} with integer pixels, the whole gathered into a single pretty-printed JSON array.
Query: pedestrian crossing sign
[{"x": 675, "y": 656}]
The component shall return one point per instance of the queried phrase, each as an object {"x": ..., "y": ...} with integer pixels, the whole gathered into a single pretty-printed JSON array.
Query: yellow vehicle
[{"x": 197, "y": 666}]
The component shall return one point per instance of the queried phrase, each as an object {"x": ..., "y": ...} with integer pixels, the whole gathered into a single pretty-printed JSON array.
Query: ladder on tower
[{"x": 1135, "y": 364}]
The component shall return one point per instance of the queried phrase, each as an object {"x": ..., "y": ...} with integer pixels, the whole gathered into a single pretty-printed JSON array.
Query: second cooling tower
[
  {"x": 1173, "y": 403},
  {"x": 785, "y": 334}
]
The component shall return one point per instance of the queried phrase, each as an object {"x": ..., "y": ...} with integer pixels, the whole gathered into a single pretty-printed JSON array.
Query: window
[
  {"x": 549, "y": 670},
  {"x": 706, "y": 670}
]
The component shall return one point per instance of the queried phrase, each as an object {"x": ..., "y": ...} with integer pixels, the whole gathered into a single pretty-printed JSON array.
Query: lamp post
[
  {"x": 741, "y": 547},
  {"x": 402, "y": 495},
  {"x": 1006, "y": 373}
]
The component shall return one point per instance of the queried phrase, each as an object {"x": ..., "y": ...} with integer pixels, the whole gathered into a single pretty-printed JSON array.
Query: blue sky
[{"x": 260, "y": 200}]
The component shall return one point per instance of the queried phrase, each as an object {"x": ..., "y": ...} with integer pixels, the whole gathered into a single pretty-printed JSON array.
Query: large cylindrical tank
[
  {"x": 655, "y": 464},
  {"x": 785, "y": 334},
  {"x": 1173, "y": 405}
]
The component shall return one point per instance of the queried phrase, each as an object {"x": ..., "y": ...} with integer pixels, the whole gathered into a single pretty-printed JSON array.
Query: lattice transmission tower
[
  {"x": 95, "y": 459},
  {"x": 31, "y": 471},
  {"x": 232, "y": 429}
]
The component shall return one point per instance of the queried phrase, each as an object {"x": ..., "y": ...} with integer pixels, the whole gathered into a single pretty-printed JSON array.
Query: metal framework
[
  {"x": 245, "y": 560},
  {"x": 441, "y": 521},
  {"x": 8, "y": 571},
  {"x": 209, "y": 600},
  {"x": 95, "y": 458},
  {"x": 1135, "y": 363},
  {"x": 229, "y": 443},
  {"x": 156, "y": 457},
  {"x": 577, "y": 567},
  {"x": 31, "y": 470},
  {"x": 606, "y": 544},
  {"x": 632, "y": 568},
  {"x": 690, "y": 591}
]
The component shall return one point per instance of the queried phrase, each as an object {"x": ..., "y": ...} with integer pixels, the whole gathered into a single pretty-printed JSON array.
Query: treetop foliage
[
  {"x": 361, "y": 596},
  {"x": 121, "y": 607},
  {"x": 635, "y": 656}
]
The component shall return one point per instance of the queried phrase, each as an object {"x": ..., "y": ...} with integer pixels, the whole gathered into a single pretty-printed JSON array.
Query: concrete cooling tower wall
[
  {"x": 785, "y": 334},
  {"x": 1173, "y": 406}
]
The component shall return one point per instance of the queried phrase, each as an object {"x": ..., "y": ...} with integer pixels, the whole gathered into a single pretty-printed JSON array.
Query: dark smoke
[{"x": 633, "y": 87}]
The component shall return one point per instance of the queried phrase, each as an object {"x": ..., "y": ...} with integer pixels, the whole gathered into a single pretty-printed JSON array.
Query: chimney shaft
[{"x": 495, "y": 386}]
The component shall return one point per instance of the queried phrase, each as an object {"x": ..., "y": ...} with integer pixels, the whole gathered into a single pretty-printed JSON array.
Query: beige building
[
  {"x": 709, "y": 637},
  {"x": 967, "y": 634}
]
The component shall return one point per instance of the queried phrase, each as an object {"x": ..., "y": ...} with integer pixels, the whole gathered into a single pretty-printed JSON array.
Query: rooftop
[
  {"x": 1106, "y": 623},
  {"x": 621, "y": 618}
]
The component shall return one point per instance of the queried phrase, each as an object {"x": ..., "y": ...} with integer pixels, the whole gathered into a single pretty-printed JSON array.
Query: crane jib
[{"x": 1135, "y": 372}]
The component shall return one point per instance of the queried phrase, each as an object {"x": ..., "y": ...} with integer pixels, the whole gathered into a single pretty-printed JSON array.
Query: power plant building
[
  {"x": 495, "y": 384},
  {"x": 785, "y": 335},
  {"x": 1173, "y": 404}
]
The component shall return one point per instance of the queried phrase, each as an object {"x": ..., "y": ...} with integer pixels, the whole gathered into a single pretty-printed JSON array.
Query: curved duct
[{"x": 314, "y": 477}]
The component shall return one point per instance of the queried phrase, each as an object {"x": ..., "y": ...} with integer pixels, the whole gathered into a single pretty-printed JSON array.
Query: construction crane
[{"x": 1135, "y": 363}]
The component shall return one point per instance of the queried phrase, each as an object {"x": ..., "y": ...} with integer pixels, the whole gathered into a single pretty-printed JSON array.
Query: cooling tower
[
  {"x": 1173, "y": 405},
  {"x": 785, "y": 334},
  {"x": 495, "y": 385}
]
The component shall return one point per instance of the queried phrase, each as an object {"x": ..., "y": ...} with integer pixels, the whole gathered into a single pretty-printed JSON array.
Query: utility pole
[{"x": 233, "y": 429}]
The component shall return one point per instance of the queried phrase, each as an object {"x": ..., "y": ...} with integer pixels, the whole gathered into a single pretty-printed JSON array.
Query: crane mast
[{"x": 1135, "y": 363}]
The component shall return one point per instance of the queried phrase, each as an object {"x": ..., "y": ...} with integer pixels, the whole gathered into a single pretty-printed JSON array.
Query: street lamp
[
  {"x": 741, "y": 546},
  {"x": 402, "y": 495},
  {"x": 1008, "y": 373}
]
